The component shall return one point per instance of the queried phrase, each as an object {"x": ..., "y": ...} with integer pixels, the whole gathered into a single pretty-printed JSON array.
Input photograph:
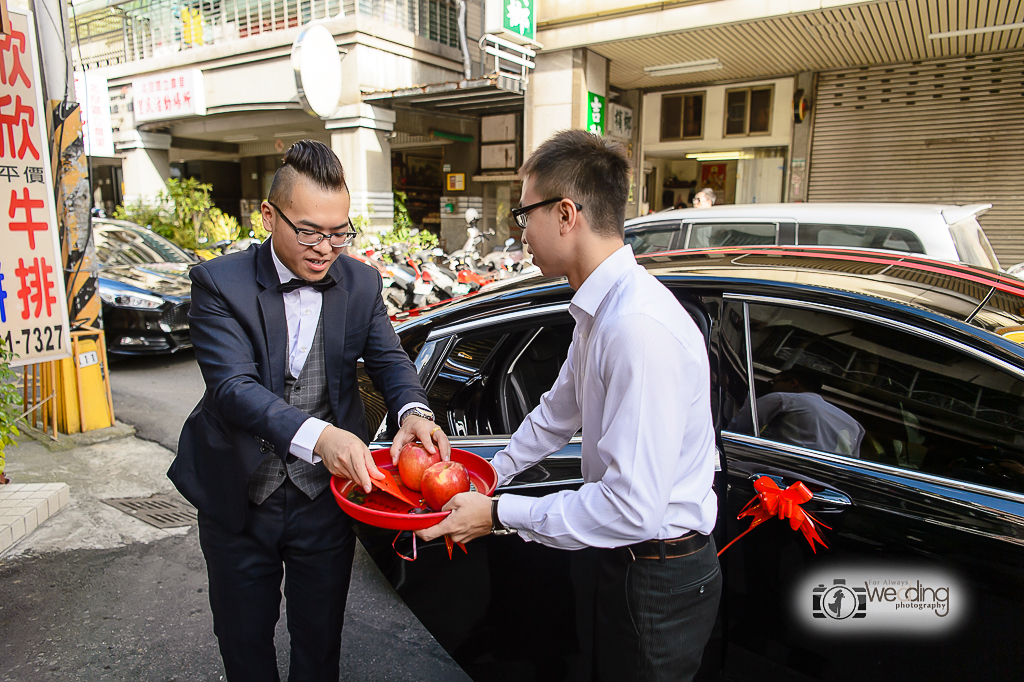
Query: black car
[
  {"x": 931, "y": 491},
  {"x": 144, "y": 287}
]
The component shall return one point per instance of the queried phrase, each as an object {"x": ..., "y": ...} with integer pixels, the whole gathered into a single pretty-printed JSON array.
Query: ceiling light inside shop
[
  {"x": 717, "y": 156},
  {"x": 291, "y": 133},
  {"x": 975, "y": 31},
  {"x": 241, "y": 138},
  {"x": 683, "y": 67}
]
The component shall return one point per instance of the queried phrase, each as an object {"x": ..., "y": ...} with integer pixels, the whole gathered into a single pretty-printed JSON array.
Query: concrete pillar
[
  {"x": 360, "y": 136},
  {"x": 146, "y": 164},
  {"x": 800, "y": 149},
  {"x": 556, "y": 98}
]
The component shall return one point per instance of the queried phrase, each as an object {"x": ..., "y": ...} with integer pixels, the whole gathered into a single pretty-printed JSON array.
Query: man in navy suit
[{"x": 277, "y": 331}]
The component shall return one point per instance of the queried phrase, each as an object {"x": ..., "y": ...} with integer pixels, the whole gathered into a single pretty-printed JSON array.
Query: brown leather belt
[{"x": 681, "y": 546}]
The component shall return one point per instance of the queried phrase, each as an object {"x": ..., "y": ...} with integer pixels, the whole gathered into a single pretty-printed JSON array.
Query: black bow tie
[{"x": 321, "y": 285}]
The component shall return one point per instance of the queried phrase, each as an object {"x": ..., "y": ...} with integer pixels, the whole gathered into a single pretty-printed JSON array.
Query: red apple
[
  {"x": 413, "y": 460},
  {"x": 443, "y": 481}
]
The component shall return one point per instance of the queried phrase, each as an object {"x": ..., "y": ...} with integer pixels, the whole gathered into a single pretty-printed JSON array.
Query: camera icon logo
[{"x": 840, "y": 601}]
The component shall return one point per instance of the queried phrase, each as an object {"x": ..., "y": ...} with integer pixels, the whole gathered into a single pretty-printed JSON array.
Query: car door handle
[{"x": 828, "y": 498}]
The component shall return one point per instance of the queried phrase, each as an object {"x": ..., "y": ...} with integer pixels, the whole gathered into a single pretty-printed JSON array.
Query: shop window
[
  {"x": 682, "y": 117},
  {"x": 748, "y": 111}
]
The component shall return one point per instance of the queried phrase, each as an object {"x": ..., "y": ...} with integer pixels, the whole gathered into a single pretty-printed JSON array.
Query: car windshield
[{"x": 125, "y": 246}]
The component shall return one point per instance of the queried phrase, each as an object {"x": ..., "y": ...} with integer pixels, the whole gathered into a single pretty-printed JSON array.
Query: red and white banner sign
[
  {"x": 33, "y": 306},
  {"x": 94, "y": 103},
  {"x": 171, "y": 94}
]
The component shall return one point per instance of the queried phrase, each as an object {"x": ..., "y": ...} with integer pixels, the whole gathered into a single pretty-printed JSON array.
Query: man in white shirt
[
  {"x": 794, "y": 412},
  {"x": 636, "y": 380},
  {"x": 278, "y": 330}
]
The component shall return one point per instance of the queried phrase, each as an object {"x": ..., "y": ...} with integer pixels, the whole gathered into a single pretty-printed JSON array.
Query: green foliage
[
  {"x": 10, "y": 401},
  {"x": 402, "y": 219},
  {"x": 256, "y": 226},
  {"x": 183, "y": 213}
]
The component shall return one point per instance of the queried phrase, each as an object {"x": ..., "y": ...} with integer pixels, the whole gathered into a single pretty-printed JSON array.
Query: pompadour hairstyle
[
  {"x": 312, "y": 160},
  {"x": 587, "y": 169}
]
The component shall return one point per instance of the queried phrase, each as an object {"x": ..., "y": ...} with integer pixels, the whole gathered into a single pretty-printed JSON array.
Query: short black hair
[
  {"x": 806, "y": 377},
  {"x": 312, "y": 160},
  {"x": 587, "y": 169}
]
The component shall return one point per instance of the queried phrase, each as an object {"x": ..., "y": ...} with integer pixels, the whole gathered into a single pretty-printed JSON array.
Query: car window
[
  {"x": 860, "y": 389},
  {"x": 731, "y": 234},
  {"x": 891, "y": 238},
  {"x": 489, "y": 381},
  {"x": 653, "y": 238},
  {"x": 118, "y": 246}
]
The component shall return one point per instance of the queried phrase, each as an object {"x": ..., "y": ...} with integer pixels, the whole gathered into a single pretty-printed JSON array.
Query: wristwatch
[
  {"x": 415, "y": 411},
  {"x": 496, "y": 527}
]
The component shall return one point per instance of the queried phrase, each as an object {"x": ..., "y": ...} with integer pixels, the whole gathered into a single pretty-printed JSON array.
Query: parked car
[
  {"x": 910, "y": 348},
  {"x": 144, "y": 289},
  {"x": 944, "y": 232}
]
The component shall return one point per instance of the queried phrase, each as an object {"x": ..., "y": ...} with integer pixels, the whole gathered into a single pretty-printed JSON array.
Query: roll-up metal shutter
[{"x": 948, "y": 131}]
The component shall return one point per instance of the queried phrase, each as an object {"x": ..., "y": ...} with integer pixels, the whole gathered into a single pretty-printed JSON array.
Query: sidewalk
[
  {"x": 114, "y": 598},
  {"x": 84, "y": 469}
]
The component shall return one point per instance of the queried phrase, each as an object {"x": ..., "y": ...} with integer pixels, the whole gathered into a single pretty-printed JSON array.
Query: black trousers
[
  {"x": 653, "y": 617},
  {"x": 308, "y": 542}
]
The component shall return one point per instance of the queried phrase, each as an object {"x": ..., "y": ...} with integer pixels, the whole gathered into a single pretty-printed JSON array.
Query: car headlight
[{"x": 126, "y": 299}]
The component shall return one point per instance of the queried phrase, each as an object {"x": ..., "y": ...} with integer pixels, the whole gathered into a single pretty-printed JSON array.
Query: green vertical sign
[
  {"x": 519, "y": 17},
  {"x": 595, "y": 113}
]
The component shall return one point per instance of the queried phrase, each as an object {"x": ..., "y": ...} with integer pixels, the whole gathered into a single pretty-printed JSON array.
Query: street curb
[{"x": 70, "y": 441}]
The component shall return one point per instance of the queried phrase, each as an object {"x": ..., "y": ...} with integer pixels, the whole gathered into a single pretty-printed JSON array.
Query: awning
[{"x": 480, "y": 97}]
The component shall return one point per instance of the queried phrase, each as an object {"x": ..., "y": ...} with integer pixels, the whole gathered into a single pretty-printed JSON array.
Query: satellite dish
[{"x": 316, "y": 62}]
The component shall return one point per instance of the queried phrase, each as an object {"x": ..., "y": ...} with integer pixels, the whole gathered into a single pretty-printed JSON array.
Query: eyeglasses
[
  {"x": 520, "y": 214},
  {"x": 314, "y": 237}
]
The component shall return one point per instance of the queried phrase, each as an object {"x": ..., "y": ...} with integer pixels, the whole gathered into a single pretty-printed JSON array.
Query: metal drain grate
[{"x": 162, "y": 511}]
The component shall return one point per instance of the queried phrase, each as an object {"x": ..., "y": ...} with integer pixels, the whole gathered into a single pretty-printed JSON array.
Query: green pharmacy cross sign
[{"x": 519, "y": 17}]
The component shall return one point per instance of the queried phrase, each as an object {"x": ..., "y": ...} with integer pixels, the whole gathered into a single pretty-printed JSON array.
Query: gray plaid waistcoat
[{"x": 309, "y": 393}]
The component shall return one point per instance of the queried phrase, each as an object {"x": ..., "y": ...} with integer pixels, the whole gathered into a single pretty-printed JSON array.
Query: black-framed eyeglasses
[
  {"x": 520, "y": 214},
  {"x": 337, "y": 240}
]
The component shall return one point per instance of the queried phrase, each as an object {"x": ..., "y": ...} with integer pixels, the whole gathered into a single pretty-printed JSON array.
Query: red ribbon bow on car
[{"x": 785, "y": 503}]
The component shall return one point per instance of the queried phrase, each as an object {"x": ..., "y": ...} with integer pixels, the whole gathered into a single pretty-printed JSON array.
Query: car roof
[
  {"x": 983, "y": 298},
  {"x": 915, "y": 216}
]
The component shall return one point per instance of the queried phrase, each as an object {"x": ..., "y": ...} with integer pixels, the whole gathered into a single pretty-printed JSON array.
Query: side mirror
[
  {"x": 510, "y": 241},
  {"x": 375, "y": 240}
]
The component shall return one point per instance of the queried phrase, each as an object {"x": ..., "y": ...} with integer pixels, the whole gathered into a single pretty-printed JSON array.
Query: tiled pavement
[{"x": 23, "y": 506}]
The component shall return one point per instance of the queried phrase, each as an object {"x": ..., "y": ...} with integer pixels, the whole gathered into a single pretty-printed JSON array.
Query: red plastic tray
[{"x": 385, "y": 511}]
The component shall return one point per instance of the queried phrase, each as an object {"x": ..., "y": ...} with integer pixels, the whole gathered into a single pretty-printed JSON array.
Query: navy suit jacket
[{"x": 240, "y": 335}]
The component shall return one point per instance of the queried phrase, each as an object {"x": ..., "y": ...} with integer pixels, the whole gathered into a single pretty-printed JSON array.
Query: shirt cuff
[
  {"x": 406, "y": 408},
  {"x": 305, "y": 439},
  {"x": 515, "y": 511}
]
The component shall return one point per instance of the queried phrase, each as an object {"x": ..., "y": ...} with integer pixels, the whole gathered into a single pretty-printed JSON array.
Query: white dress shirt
[
  {"x": 302, "y": 311},
  {"x": 805, "y": 419},
  {"x": 637, "y": 381}
]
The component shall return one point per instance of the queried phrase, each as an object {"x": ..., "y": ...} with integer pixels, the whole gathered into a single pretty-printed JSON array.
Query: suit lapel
[
  {"x": 275, "y": 324},
  {"x": 334, "y": 315}
]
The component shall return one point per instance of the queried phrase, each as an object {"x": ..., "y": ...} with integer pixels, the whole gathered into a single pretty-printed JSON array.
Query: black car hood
[{"x": 165, "y": 279}]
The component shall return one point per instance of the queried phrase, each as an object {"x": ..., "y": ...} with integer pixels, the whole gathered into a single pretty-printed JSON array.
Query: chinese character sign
[
  {"x": 519, "y": 18},
  {"x": 33, "y": 306},
  {"x": 620, "y": 121},
  {"x": 171, "y": 94},
  {"x": 94, "y": 102},
  {"x": 595, "y": 113}
]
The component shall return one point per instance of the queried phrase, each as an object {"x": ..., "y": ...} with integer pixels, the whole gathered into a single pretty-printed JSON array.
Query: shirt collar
[
  {"x": 283, "y": 273},
  {"x": 595, "y": 288}
]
